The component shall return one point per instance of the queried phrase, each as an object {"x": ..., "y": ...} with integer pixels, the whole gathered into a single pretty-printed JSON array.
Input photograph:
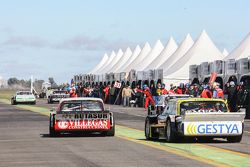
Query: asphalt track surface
[{"x": 24, "y": 141}]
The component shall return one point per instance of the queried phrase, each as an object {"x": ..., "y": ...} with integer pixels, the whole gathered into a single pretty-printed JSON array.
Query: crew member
[{"x": 148, "y": 95}]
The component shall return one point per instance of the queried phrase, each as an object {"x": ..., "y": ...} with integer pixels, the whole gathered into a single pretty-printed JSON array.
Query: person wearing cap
[
  {"x": 218, "y": 92},
  {"x": 232, "y": 97}
]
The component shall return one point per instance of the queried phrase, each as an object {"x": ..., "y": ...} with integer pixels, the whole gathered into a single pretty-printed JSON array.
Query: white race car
[{"x": 23, "y": 97}]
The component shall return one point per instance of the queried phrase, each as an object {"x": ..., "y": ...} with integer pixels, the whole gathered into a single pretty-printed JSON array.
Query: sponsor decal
[
  {"x": 212, "y": 128},
  {"x": 82, "y": 124}
]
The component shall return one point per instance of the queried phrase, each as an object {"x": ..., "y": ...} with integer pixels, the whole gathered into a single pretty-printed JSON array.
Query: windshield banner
[{"x": 212, "y": 128}]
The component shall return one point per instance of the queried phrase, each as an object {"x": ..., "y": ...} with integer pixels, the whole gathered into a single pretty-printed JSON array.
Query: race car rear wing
[{"x": 218, "y": 116}]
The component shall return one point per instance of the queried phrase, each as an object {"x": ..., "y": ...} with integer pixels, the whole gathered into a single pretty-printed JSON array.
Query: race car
[
  {"x": 196, "y": 118},
  {"x": 81, "y": 115},
  {"x": 23, "y": 97},
  {"x": 57, "y": 95}
]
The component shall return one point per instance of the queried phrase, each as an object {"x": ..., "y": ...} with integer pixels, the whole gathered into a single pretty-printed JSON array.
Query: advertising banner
[
  {"x": 212, "y": 128},
  {"x": 82, "y": 124}
]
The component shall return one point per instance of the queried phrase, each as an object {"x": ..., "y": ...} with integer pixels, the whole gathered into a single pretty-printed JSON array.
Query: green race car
[{"x": 23, "y": 97}]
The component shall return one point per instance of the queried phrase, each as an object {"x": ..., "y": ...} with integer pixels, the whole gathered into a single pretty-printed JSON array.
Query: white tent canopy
[
  {"x": 139, "y": 59},
  {"x": 203, "y": 50},
  {"x": 225, "y": 52},
  {"x": 164, "y": 55},
  {"x": 156, "y": 50},
  {"x": 123, "y": 60},
  {"x": 101, "y": 63},
  {"x": 109, "y": 61},
  {"x": 242, "y": 51},
  {"x": 131, "y": 59},
  {"x": 114, "y": 61},
  {"x": 186, "y": 44}
]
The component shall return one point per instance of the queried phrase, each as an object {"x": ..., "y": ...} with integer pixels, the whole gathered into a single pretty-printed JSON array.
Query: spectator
[
  {"x": 153, "y": 91},
  {"x": 126, "y": 95},
  {"x": 232, "y": 97},
  {"x": 206, "y": 93},
  {"x": 112, "y": 94},
  {"x": 180, "y": 89},
  {"x": 106, "y": 93},
  {"x": 72, "y": 92},
  {"x": 217, "y": 92},
  {"x": 137, "y": 96},
  {"x": 158, "y": 93},
  {"x": 164, "y": 91}
]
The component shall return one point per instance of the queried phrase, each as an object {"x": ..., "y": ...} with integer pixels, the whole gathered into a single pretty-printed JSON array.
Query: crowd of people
[{"x": 137, "y": 96}]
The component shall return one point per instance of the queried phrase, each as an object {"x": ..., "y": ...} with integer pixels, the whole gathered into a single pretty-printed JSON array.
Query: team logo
[
  {"x": 63, "y": 124},
  {"x": 208, "y": 128},
  {"x": 192, "y": 129}
]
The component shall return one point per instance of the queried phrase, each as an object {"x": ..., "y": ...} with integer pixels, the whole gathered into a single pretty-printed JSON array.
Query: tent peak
[{"x": 225, "y": 52}]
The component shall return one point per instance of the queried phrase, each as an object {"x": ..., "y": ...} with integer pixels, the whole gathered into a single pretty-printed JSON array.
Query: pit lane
[
  {"x": 135, "y": 117},
  {"x": 26, "y": 130}
]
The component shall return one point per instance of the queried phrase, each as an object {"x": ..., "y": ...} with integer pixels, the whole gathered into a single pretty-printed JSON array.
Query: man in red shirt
[{"x": 149, "y": 97}]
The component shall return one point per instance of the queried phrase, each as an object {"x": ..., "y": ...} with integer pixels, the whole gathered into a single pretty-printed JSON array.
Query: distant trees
[
  {"x": 53, "y": 83},
  {"x": 16, "y": 82},
  {"x": 37, "y": 83}
]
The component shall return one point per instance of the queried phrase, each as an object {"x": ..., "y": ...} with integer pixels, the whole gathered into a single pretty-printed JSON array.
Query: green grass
[{"x": 6, "y": 93}]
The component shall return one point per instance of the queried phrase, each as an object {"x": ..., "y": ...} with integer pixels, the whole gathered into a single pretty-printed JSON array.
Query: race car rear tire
[
  {"x": 149, "y": 133},
  {"x": 111, "y": 132},
  {"x": 169, "y": 132},
  {"x": 148, "y": 129},
  {"x": 234, "y": 139}
]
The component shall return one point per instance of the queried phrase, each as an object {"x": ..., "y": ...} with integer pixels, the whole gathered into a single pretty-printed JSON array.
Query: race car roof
[{"x": 82, "y": 99}]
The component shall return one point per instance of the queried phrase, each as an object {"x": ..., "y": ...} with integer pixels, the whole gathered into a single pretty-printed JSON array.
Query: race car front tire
[
  {"x": 234, "y": 139},
  {"x": 52, "y": 131},
  {"x": 169, "y": 132}
]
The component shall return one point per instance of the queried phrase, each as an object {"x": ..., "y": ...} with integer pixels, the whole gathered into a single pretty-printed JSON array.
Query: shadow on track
[{"x": 190, "y": 140}]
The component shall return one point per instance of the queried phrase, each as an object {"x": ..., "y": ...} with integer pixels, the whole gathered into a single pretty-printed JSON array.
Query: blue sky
[{"x": 60, "y": 38}]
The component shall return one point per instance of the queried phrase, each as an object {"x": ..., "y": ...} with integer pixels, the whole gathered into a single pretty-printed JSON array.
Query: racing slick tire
[
  {"x": 169, "y": 132},
  {"x": 111, "y": 132},
  {"x": 13, "y": 102},
  {"x": 234, "y": 139},
  {"x": 148, "y": 130},
  {"x": 52, "y": 131}
]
